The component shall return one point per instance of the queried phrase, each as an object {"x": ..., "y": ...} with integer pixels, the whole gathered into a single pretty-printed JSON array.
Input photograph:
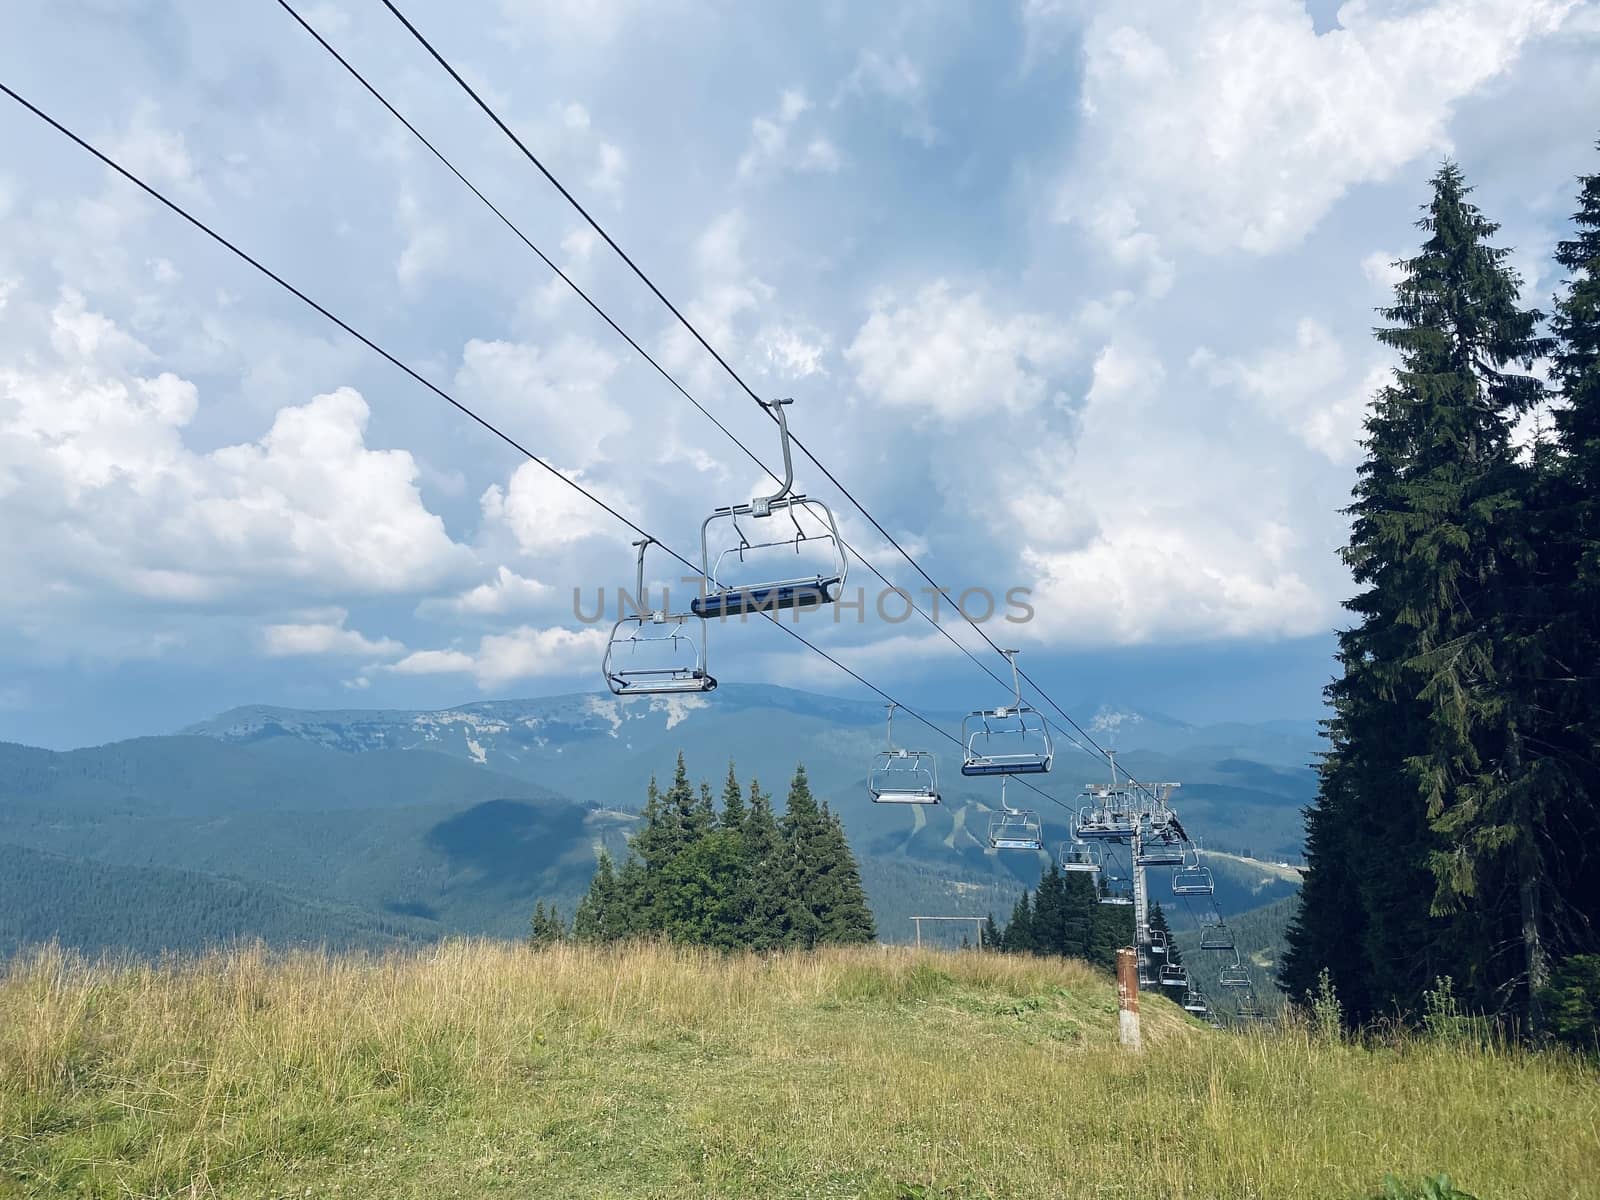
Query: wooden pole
[{"x": 1128, "y": 999}]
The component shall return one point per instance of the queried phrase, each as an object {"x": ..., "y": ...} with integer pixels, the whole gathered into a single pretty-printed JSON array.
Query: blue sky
[{"x": 1074, "y": 297}]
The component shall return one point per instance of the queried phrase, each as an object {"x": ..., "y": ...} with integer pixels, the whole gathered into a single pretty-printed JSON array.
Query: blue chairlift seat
[{"x": 774, "y": 526}]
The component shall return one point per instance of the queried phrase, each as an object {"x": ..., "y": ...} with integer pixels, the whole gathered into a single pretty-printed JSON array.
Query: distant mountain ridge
[{"x": 415, "y": 824}]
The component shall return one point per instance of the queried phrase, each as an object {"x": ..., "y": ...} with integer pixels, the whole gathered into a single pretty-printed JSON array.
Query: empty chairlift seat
[
  {"x": 1013, "y": 740},
  {"x": 1080, "y": 857},
  {"x": 655, "y": 652},
  {"x": 1234, "y": 976},
  {"x": 743, "y": 545},
  {"x": 1015, "y": 828},
  {"x": 1215, "y": 935},
  {"x": 903, "y": 776},
  {"x": 1159, "y": 852},
  {"x": 1192, "y": 879},
  {"x": 1173, "y": 975}
]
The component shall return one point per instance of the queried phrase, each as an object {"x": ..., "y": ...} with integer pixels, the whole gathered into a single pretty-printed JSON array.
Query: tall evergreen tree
[
  {"x": 598, "y": 918},
  {"x": 1570, "y": 668},
  {"x": 846, "y": 916},
  {"x": 1423, "y": 806},
  {"x": 733, "y": 810},
  {"x": 763, "y": 900}
]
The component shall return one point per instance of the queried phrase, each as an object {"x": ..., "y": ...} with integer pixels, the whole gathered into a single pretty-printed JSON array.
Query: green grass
[{"x": 484, "y": 1069}]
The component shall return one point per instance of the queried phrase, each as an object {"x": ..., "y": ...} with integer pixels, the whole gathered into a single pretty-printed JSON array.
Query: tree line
[
  {"x": 1064, "y": 916},
  {"x": 1455, "y": 830},
  {"x": 738, "y": 877}
]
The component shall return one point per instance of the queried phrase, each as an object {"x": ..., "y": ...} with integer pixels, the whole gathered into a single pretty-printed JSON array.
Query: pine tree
[
  {"x": 847, "y": 918},
  {"x": 546, "y": 928},
  {"x": 598, "y": 918},
  {"x": 1018, "y": 937},
  {"x": 1569, "y": 668},
  {"x": 733, "y": 810},
  {"x": 1422, "y": 800},
  {"x": 1050, "y": 915},
  {"x": 763, "y": 901}
]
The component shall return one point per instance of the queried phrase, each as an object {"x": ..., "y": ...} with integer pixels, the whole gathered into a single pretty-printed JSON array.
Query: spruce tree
[
  {"x": 1050, "y": 913},
  {"x": 733, "y": 810},
  {"x": 1019, "y": 930},
  {"x": 598, "y": 918},
  {"x": 1423, "y": 800},
  {"x": 847, "y": 918},
  {"x": 1569, "y": 669},
  {"x": 763, "y": 902}
]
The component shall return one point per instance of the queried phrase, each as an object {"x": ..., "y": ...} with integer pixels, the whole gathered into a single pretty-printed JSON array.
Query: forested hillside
[{"x": 98, "y": 907}]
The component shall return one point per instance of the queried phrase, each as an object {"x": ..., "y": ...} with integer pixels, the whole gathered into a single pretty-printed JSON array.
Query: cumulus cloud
[
  {"x": 1224, "y": 124},
  {"x": 325, "y": 637},
  {"x": 1308, "y": 387},
  {"x": 103, "y": 491},
  {"x": 776, "y": 143},
  {"x": 523, "y": 654},
  {"x": 1152, "y": 536},
  {"x": 557, "y": 394},
  {"x": 952, "y": 356},
  {"x": 507, "y": 592},
  {"x": 543, "y": 514}
]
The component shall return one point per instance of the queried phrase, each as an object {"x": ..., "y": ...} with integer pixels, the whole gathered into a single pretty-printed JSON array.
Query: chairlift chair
[
  {"x": 1157, "y": 941},
  {"x": 1192, "y": 879},
  {"x": 728, "y": 592},
  {"x": 1195, "y": 1002},
  {"x": 1160, "y": 852},
  {"x": 1015, "y": 828},
  {"x": 1080, "y": 857},
  {"x": 1014, "y": 740},
  {"x": 903, "y": 776},
  {"x": 1174, "y": 975},
  {"x": 655, "y": 652},
  {"x": 1116, "y": 889},
  {"x": 1215, "y": 935},
  {"x": 1234, "y": 975},
  {"x": 1249, "y": 1009},
  {"x": 1100, "y": 823}
]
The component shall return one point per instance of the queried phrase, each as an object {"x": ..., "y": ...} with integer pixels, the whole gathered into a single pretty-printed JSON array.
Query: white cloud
[
  {"x": 103, "y": 492},
  {"x": 773, "y": 147},
  {"x": 1380, "y": 269},
  {"x": 793, "y": 353},
  {"x": 1308, "y": 388},
  {"x": 507, "y": 592},
  {"x": 951, "y": 356},
  {"x": 544, "y": 514},
  {"x": 557, "y": 393},
  {"x": 1150, "y": 534},
  {"x": 1225, "y": 124},
  {"x": 524, "y": 653},
  {"x": 323, "y": 638}
]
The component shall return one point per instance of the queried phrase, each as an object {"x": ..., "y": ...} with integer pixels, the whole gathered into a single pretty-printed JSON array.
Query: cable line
[
  {"x": 194, "y": 221},
  {"x": 623, "y": 333},
  {"x": 721, "y": 361}
]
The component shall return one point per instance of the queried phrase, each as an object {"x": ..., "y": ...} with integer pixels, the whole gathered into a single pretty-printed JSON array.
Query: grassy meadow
[{"x": 487, "y": 1069}]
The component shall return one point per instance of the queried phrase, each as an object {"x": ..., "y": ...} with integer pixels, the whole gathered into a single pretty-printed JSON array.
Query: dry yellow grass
[{"x": 478, "y": 1068}]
